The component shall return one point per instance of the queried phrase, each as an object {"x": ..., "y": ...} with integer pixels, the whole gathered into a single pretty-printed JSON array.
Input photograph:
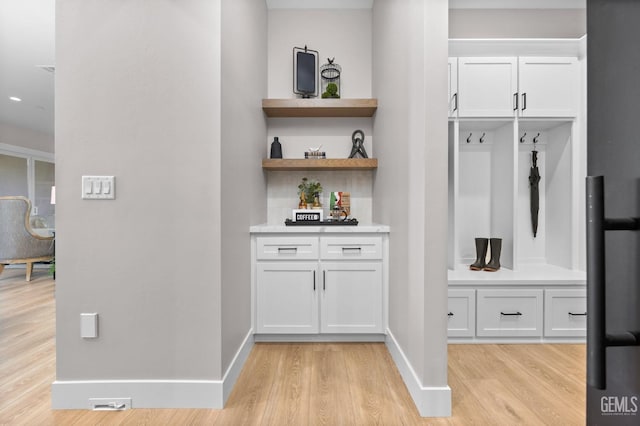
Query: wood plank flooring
[{"x": 300, "y": 384}]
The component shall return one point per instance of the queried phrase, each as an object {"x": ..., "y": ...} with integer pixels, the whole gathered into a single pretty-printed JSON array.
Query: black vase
[{"x": 276, "y": 148}]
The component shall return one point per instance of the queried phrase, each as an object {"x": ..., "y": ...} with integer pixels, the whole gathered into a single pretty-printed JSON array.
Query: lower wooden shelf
[{"x": 320, "y": 164}]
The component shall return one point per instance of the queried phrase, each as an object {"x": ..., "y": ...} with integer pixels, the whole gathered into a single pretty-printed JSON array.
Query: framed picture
[{"x": 305, "y": 72}]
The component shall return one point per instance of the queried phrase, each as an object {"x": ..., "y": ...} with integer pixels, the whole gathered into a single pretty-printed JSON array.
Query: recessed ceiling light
[{"x": 15, "y": 99}]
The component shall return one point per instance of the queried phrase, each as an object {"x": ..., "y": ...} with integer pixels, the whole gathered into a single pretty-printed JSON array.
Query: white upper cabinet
[
  {"x": 487, "y": 87},
  {"x": 452, "y": 74},
  {"x": 508, "y": 86},
  {"x": 549, "y": 87}
]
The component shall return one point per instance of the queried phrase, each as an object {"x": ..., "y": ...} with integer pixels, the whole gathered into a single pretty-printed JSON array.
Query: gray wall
[
  {"x": 244, "y": 133},
  {"x": 410, "y": 191},
  {"x": 138, "y": 97},
  {"x": 517, "y": 23}
]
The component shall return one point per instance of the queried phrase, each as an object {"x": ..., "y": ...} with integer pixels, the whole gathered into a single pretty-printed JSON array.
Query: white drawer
[
  {"x": 509, "y": 313},
  {"x": 565, "y": 313},
  {"x": 461, "y": 320},
  {"x": 350, "y": 248},
  {"x": 287, "y": 248}
]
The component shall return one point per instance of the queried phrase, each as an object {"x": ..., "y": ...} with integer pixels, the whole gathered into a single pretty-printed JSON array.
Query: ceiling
[{"x": 27, "y": 42}]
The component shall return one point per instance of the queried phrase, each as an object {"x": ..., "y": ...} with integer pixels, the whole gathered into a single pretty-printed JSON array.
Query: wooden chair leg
[
  {"x": 1, "y": 267},
  {"x": 29, "y": 270}
]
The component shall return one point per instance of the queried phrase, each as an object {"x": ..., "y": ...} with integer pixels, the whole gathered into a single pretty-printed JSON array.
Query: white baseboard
[
  {"x": 75, "y": 394},
  {"x": 431, "y": 401}
]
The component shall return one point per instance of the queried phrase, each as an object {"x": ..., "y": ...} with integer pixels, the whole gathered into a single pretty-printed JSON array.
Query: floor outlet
[{"x": 110, "y": 404}]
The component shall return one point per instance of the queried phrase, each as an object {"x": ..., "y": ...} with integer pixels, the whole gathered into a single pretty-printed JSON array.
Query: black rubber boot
[
  {"x": 496, "y": 248},
  {"x": 481, "y": 254}
]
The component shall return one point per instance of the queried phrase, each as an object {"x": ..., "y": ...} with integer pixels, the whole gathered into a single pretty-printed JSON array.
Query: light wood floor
[{"x": 300, "y": 384}]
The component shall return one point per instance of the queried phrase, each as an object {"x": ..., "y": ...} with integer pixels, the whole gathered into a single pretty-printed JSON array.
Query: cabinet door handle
[
  {"x": 584, "y": 314},
  {"x": 287, "y": 250},
  {"x": 314, "y": 280},
  {"x": 324, "y": 280},
  {"x": 351, "y": 250},
  {"x": 450, "y": 314},
  {"x": 511, "y": 314},
  {"x": 524, "y": 101},
  {"x": 515, "y": 103},
  {"x": 455, "y": 102}
]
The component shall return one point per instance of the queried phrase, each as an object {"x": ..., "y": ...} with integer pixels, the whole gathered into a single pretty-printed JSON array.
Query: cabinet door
[
  {"x": 452, "y": 73},
  {"x": 351, "y": 300},
  {"x": 287, "y": 297},
  {"x": 509, "y": 313},
  {"x": 462, "y": 313},
  {"x": 549, "y": 87},
  {"x": 565, "y": 312},
  {"x": 487, "y": 87}
]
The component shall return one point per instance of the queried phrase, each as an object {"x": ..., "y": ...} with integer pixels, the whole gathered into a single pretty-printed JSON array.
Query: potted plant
[{"x": 309, "y": 191}]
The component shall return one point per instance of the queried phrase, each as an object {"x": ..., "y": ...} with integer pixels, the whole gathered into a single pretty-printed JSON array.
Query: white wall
[
  {"x": 243, "y": 202},
  {"x": 517, "y": 23},
  {"x": 138, "y": 97},
  {"x": 410, "y": 191},
  {"x": 343, "y": 34}
]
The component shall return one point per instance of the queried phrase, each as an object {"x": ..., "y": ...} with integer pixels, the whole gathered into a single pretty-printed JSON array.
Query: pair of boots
[{"x": 481, "y": 253}]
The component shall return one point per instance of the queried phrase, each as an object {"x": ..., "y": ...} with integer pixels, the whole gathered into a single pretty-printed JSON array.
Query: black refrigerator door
[{"x": 613, "y": 134}]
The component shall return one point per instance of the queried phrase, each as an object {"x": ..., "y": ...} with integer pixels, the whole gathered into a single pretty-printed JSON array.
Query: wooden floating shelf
[
  {"x": 320, "y": 164},
  {"x": 319, "y": 107}
]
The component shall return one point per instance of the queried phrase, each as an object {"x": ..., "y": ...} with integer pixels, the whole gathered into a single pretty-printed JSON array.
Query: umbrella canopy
[{"x": 534, "y": 180}]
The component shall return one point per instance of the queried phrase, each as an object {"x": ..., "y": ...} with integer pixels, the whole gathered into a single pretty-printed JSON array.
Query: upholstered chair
[{"x": 18, "y": 242}]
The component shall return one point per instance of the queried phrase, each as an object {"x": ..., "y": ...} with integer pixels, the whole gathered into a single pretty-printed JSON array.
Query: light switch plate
[{"x": 98, "y": 187}]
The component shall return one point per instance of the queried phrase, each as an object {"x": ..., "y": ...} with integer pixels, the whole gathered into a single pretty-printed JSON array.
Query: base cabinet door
[
  {"x": 461, "y": 317},
  {"x": 351, "y": 297},
  {"x": 287, "y": 297},
  {"x": 509, "y": 313},
  {"x": 565, "y": 313}
]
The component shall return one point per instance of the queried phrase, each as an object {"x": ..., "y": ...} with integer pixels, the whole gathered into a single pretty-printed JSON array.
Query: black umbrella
[{"x": 534, "y": 179}]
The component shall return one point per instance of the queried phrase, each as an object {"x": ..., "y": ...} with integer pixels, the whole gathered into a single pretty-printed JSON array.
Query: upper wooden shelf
[
  {"x": 320, "y": 164},
  {"x": 319, "y": 107}
]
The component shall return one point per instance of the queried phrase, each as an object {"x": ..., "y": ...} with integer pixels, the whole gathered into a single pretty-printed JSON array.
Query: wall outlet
[
  {"x": 109, "y": 404},
  {"x": 89, "y": 326}
]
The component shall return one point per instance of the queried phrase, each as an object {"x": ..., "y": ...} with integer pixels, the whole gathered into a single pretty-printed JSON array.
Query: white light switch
[
  {"x": 89, "y": 326},
  {"x": 98, "y": 187}
]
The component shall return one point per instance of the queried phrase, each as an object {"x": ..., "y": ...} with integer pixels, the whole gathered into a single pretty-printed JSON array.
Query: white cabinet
[
  {"x": 513, "y": 86},
  {"x": 310, "y": 284},
  {"x": 565, "y": 312},
  {"x": 509, "y": 313},
  {"x": 461, "y": 316},
  {"x": 452, "y": 74},
  {"x": 351, "y": 297},
  {"x": 487, "y": 87},
  {"x": 287, "y": 297},
  {"x": 548, "y": 86}
]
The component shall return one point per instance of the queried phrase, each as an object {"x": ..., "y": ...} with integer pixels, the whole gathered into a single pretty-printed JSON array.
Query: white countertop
[
  {"x": 525, "y": 275},
  {"x": 333, "y": 229}
]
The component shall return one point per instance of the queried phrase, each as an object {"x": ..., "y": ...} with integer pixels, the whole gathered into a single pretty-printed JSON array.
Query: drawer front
[
  {"x": 565, "y": 313},
  {"x": 350, "y": 248},
  {"x": 509, "y": 313},
  {"x": 461, "y": 320},
  {"x": 287, "y": 248}
]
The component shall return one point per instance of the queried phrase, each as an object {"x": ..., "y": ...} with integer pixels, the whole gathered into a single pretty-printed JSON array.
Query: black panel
[{"x": 613, "y": 93}]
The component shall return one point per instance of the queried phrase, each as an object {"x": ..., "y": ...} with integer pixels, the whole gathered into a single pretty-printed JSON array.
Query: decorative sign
[{"x": 306, "y": 215}]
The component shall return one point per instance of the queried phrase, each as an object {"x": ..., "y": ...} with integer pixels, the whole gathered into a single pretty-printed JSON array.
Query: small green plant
[
  {"x": 332, "y": 91},
  {"x": 310, "y": 188}
]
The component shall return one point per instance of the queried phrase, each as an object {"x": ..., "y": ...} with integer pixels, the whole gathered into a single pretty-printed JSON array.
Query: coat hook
[
  {"x": 522, "y": 138},
  {"x": 482, "y": 138},
  {"x": 469, "y": 138},
  {"x": 535, "y": 139}
]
